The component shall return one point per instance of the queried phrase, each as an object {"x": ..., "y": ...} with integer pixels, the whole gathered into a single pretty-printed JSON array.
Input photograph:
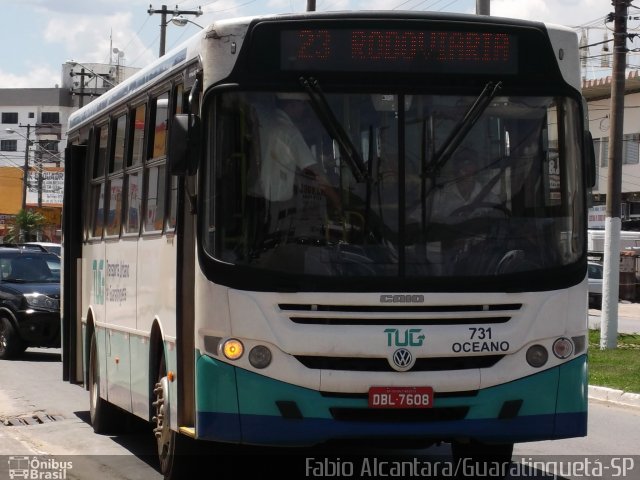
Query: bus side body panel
[
  {"x": 120, "y": 306},
  {"x": 156, "y": 287},
  {"x": 128, "y": 291}
]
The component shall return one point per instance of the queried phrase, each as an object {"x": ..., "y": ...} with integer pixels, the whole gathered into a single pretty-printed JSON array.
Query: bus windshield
[{"x": 385, "y": 184}]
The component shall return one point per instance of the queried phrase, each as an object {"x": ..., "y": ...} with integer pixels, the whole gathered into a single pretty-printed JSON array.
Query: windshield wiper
[
  {"x": 334, "y": 127},
  {"x": 465, "y": 125}
]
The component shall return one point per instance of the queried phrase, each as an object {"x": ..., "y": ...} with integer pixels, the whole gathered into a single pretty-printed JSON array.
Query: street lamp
[
  {"x": 25, "y": 176},
  {"x": 181, "y": 21},
  {"x": 119, "y": 55}
]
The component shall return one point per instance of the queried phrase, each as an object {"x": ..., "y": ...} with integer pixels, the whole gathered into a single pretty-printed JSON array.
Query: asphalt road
[{"x": 31, "y": 386}]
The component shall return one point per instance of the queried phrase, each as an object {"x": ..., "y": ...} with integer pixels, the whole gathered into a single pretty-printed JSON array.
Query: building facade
[
  {"x": 598, "y": 95},
  {"x": 33, "y": 139}
]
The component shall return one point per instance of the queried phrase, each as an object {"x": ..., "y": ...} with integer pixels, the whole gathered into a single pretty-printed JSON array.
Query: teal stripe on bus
[{"x": 235, "y": 390}]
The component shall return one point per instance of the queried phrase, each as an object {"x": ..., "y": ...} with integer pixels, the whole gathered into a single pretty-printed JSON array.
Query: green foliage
[
  {"x": 617, "y": 368},
  {"x": 26, "y": 226}
]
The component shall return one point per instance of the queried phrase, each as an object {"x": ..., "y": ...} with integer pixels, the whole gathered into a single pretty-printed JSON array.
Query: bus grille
[
  {"x": 311, "y": 314},
  {"x": 435, "y": 364}
]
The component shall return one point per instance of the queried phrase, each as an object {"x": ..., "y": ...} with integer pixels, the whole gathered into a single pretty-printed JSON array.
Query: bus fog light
[
  {"x": 260, "y": 356},
  {"x": 537, "y": 356},
  {"x": 562, "y": 348},
  {"x": 233, "y": 349}
]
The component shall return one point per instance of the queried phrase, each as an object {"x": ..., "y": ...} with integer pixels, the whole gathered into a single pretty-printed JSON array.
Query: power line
[{"x": 403, "y": 3}]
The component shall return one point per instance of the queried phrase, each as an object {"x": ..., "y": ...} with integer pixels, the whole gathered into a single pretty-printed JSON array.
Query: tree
[{"x": 26, "y": 226}]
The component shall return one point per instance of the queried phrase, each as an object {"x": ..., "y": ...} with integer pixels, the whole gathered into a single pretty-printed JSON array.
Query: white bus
[{"x": 303, "y": 228}]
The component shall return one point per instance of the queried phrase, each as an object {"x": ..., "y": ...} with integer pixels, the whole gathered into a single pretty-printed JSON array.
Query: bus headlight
[
  {"x": 537, "y": 356},
  {"x": 260, "y": 356},
  {"x": 562, "y": 348},
  {"x": 233, "y": 349}
]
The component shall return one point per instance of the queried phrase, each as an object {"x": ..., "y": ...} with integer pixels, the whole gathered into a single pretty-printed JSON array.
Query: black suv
[{"x": 29, "y": 300}]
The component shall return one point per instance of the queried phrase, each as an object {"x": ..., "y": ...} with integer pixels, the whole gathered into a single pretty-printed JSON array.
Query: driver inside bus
[{"x": 286, "y": 180}]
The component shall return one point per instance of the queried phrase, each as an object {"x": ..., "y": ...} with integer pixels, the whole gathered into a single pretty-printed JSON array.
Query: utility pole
[
  {"x": 38, "y": 163},
  {"x": 613, "y": 222},
  {"x": 483, "y": 7},
  {"x": 311, "y": 5},
  {"x": 83, "y": 84},
  {"x": 25, "y": 178},
  {"x": 163, "y": 21},
  {"x": 81, "y": 99}
]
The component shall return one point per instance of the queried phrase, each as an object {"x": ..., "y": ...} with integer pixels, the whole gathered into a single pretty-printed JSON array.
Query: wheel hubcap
[{"x": 162, "y": 431}]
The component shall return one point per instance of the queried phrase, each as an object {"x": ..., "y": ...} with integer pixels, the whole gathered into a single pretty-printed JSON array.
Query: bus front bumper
[{"x": 239, "y": 406}]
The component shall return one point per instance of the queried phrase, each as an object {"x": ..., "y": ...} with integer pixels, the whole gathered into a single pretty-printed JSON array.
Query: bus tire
[
  {"x": 11, "y": 345},
  {"x": 105, "y": 417},
  {"x": 175, "y": 452},
  {"x": 482, "y": 460}
]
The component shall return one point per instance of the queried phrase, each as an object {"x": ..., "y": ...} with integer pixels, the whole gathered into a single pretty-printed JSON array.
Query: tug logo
[
  {"x": 98, "y": 282},
  {"x": 406, "y": 338}
]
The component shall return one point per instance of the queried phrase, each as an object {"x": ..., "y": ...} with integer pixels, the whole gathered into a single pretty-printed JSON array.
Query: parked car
[
  {"x": 48, "y": 246},
  {"x": 29, "y": 300},
  {"x": 595, "y": 284}
]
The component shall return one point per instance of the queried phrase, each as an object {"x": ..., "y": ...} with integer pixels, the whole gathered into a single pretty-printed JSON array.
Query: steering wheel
[{"x": 516, "y": 261}]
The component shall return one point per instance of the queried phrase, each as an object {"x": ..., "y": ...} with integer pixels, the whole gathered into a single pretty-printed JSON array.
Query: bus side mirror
[
  {"x": 184, "y": 144},
  {"x": 590, "y": 159}
]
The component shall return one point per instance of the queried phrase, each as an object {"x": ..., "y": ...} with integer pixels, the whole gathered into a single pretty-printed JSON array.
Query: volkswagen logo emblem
[{"x": 402, "y": 360}]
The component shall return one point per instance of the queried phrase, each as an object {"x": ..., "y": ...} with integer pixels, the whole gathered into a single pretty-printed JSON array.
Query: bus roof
[
  {"x": 162, "y": 67},
  {"x": 190, "y": 50}
]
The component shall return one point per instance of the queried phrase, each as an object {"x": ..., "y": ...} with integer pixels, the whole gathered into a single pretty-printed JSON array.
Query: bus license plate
[{"x": 400, "y": 397}]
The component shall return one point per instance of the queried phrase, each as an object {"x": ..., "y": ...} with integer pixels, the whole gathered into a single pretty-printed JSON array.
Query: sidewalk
[
  {"x": 616, "y": 397},
  {"x": 628, "y": 322}
]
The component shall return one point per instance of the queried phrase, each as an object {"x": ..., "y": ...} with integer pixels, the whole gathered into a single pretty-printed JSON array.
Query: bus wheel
[
  {"x": 11, "y": 344},
  {"x": 105, "y": 417},
  {"x": 482, "y": 460},
  {"x": 171, "y": 445}
]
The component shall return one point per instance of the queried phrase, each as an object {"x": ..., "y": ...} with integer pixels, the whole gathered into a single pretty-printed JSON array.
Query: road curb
[{"x": 616, "y": 397}]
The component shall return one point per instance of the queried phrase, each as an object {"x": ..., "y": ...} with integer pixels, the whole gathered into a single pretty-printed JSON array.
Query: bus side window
[
  {"x": 98, "y": 180},
  {"x": 155, "y": 178},
  {"x": 155, "y": 189},
  {"x": 160, "y": 122},
  {"x": 133, "y": 169},
  {"x": 116, "y": 177}
]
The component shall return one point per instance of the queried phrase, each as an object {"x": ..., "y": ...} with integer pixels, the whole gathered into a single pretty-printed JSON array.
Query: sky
[{"x": 38, "y": 36}]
